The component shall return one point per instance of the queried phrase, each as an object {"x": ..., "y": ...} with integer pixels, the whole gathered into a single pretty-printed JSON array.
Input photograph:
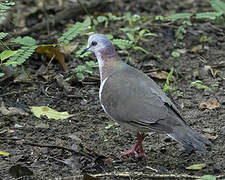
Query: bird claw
[{"x": 136, "y": 154}]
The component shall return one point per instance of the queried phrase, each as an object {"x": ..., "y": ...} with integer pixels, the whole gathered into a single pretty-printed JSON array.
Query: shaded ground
[{"x": 23, "y": 135}]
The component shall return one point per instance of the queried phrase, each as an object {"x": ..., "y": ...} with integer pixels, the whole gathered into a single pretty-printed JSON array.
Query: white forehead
[{"x": 99, "y": 38}]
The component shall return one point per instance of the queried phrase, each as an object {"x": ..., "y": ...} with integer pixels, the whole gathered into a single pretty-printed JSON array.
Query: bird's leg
[
  {"x": 138, "y": 146},
  {"x": 140, "y": 137}
]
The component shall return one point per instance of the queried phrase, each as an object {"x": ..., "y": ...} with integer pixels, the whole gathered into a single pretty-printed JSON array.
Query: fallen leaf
[
  {"x": 196, "y": 48},
  {"x": 49, "y": 112},
  {"x": 68, "y": 49},
  {"x": 52, "y": 52},
  {"x": 209, "y": 136},
  {"x": 209, "y": 105},
  {"x": 4, "y": 153},
  {"x": 159, "y": 74},
  {"x": 196, "y": 166},
  {"x": 11, "y": 111}
]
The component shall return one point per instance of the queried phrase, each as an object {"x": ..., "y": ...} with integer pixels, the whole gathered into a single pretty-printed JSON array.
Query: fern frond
[
  {"x": 3, "y": 35},
  {"x": 218, "y": 5},
  {"x": 4, "y": 6},
  {"x": 72, "y": 32},
  {"x": 122, "y": 44},
  {"x": 21, "y": 56},
  {"x": 27, "y": 41},
  {"x": 208, "y": 15}
]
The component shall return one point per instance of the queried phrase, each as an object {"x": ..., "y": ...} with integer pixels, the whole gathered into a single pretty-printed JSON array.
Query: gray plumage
[{"x": 136, "y": 101}]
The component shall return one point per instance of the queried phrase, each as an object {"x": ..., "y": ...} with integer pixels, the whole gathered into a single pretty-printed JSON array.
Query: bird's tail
[{"x": 190, "y": 139}]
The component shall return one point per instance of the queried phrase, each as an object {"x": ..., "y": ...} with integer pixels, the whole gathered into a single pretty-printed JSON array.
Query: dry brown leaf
[
  {"x": 209, "y": 105},
  {"x": 52, "y": 52},
  {"x": 211, "y": 137},
  {"x": 159, "y": 74}
]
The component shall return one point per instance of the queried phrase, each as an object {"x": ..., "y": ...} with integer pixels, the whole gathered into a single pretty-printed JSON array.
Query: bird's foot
[
  {"x": 137, "y": 151},
  {"x": 131, "y": 151}
]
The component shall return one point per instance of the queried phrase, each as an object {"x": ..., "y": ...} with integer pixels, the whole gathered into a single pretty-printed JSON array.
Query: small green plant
[
  {"x": 5, "y": 6},
  {"x": 208, "y": 177},
  {"x": 167, "y": 86},
  {"x": 88, "y": 68},
  {"x": 73, "y": 31},
  {"x": 175, "y": 54},
  {"x": 216, "y": 16},
  {"x": 198, "y": 84}
]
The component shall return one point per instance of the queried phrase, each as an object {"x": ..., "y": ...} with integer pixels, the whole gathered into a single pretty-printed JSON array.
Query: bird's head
[{"x": 97, "y": 43}]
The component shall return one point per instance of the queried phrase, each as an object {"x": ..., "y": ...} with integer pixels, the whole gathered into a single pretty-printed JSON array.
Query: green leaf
[
  {"x": 39, "y": 111},
  {"x": 73, "y": 31},
  {"x": 2, "y": 74},
  {"x": 80, "y": 68},
  {"x": 142, "y": 49},
  {"x": 208, "y": 15},
  {"x": 196, "y": 166},
  {"x": 218, "y": 5},
  {"x": 160, "y": 18},
  {"x": 122, "y": 44},
  {"x": 177, "y": 16},
  {"x": 3, "y": 35},
  {"x": 208, "y": 177},
  {"x": 27, "y": 41},
  {"x": 131, "y": 37},
  {"x": 6, "y": 54},
  {"x": 80, "y": 76},
  {"x": 167, "y": 84},
  {"x": 175, "y": 54},
  {"x": 101, "y": 19},
  {"x": 113, "y": 17},
  {"x": 21, "y": 56},
  {"x": 198, "y": 84},
  {"x": 92, "y": 64}
]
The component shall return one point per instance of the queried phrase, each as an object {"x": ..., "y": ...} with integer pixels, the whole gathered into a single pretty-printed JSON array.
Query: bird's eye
[{"x": 93, "y": 43}]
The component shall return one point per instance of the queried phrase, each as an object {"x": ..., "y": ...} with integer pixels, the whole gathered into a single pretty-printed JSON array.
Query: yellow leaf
[
  {"x": 49, "y": 112},
  {"x": 196, "y": 166},
  {"x": 4, "y": 153}
]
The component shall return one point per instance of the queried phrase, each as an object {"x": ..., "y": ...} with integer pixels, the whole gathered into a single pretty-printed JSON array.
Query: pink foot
[{"x": 137, "y": 147}]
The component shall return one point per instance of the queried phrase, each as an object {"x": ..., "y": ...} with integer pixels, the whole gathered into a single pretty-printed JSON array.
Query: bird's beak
[{"x": 84, "y": 51}]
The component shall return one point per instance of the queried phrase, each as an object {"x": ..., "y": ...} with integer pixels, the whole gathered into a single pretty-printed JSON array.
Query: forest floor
[{"x": 89, "y": 143}]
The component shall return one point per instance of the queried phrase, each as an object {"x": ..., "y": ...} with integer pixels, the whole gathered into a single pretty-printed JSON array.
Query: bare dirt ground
[{"x": 40, "y": 144}]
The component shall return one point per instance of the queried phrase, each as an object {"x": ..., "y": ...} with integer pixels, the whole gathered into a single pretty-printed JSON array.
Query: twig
[{"x": 138, "y": 175}]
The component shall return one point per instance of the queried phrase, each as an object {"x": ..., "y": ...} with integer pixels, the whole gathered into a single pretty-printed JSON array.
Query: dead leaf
[
  {"x": 12, "y": 111},
  {"x": 209, "y": 105},
  {"x": 52, "y": 52},
  {"x": 67, "y": 49},
  {"x": 196, "y": 166},
  {"x": 214, "y": 71},
  {"x": 196, "y": 48},
  {"x": 159, "y": 74},
  {"x": 209, "y": 136},
  {"x": 49, "y": 112}
]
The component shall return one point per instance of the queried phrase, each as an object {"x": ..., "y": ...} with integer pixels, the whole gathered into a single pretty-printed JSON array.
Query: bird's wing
[{"x": 129, "y": 96}]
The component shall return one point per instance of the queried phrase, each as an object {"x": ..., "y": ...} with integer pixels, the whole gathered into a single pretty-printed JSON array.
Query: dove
[{"x": 136, "y": 102}]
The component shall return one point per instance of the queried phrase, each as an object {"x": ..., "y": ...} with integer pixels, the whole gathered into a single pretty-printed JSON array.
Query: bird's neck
[{"x": 108, "y": 61}]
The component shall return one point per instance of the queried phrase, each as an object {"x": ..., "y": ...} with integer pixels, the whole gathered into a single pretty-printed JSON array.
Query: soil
[{"x": 94, "y": 142}]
